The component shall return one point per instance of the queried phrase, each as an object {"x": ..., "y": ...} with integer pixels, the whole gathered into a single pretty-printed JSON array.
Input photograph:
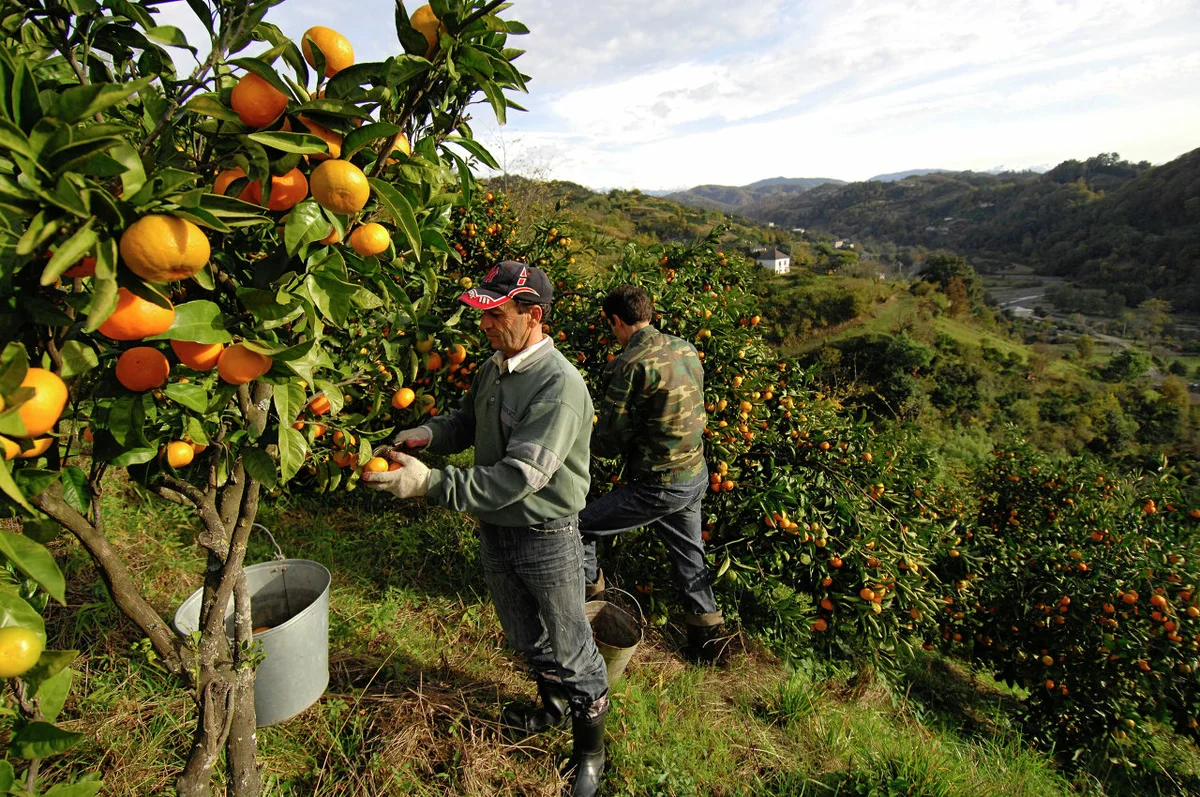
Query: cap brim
[{"x": 483, "y": 299}]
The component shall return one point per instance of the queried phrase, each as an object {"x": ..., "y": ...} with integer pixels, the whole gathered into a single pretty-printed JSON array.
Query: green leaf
[
  {"x": 10, "y": 487},
  {"x": 211, "y": 105},
  {"x": 45, "y": 677},
  {"x": 71, "y": 252},
  {"x": 170, "y": 36},
  {"x": 289, "y": 399},
  {"x": 14, "y": 363},
  {"x": 260, "y": 466},
  {"x": 85, "y": 788},
  {"x": 333, "y": 393},
  {"x": 305, "y": 224},
  {"x": 104, "y": 286},
  {"x": 475, "y": 149},
  {"x": 36, "y": 234},
  {"x": 405, "y": 67},
  {"x": 35, "y": 562},
  {"x": 77, "y": 358},
  {"x": 360, "y": 137},
  {"x": 80, "y": 102},
  {"x": 401, "y": 212},
  {"x": 292, "y": 448},
  {"x": 133, "y": 178},
  {"x": 331, "y": 296},
  {"x": 42, "y": 740},
  {"x": 200, "y": 321},
  {"x": 52, "y": 693},
  {"x": 15, "y": 610},
  {"x": 297, "y": 143},
  {"x": 8, "y": 776},
  {"x": 135, "y": 456},
  {"x": 354, "y": 76},
  {"x": 13, "y": 138},
  {"x": 194, "y": 397},
  {"x": 41, "y": 529},
  {"x": 335, "y": 107},
  {"x": 75, "y": 488}
]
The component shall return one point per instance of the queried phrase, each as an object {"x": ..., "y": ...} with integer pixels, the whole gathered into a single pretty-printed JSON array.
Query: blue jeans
[
  {"x": 535, "y": 576},
  {"x": 674, "y": 512}
]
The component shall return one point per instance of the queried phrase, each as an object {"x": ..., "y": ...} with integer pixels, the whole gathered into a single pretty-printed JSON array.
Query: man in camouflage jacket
[{"x": 652, "y": 415}]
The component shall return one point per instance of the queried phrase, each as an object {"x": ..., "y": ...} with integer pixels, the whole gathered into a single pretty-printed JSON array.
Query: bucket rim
[{"x": 196, "y": 595}]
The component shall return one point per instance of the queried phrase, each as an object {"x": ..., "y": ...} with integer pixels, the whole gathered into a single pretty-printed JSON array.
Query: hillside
[
  {"x": 732, "y": 199},
  {"x": 1130, "y": 228}
]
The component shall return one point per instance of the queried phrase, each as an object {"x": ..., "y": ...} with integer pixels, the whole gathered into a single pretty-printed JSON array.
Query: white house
[{"x": 778, "y": 262}]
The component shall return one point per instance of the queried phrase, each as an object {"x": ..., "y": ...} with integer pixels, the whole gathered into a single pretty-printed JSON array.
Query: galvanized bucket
[
  {"x": 616, "y": 631},
  {"x": 290, "y": 608}
]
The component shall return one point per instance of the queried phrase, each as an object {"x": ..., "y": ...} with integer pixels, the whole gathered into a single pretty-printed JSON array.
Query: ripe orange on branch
[
  {"x": 336, "y": 48},
  {"x": 40, "y": 446},
  {"x": 427, "y": 22},
  {"x": 135, "y": 318},
  {"x": 331, "y": 138},
  {"x": 197, "y": 356},
  {"x": 179, "y": 454},
  {"x": 20, "y": 649},
  {"x": 239, "y": 365},
  {"x": 370, "y": 239},
  {"x": 162, "y": 248},
  {"x": 42, "y": 410},
  {"x": 142, "y": 368},
  {"x": 402, "y": 398},
  {"x": 256, "y": 102},
  {"x": 340, "y": 187}
]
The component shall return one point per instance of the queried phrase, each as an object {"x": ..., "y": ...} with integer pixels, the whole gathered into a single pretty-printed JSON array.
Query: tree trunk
[{"x": 241, "y": 747}]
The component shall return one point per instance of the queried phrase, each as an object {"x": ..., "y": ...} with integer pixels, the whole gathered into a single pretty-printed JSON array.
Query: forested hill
[
  {"x": 1126, "y": 227},
  {"x": 732, "y": 199}
]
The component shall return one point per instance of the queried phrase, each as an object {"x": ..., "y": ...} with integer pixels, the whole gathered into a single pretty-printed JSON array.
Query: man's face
[{"x": 507, "y": 330}]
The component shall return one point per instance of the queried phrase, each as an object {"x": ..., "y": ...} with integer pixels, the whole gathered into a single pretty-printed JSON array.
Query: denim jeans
[
  {"x": 674, "y": 512},
  {"x": 535, "y": 576}
]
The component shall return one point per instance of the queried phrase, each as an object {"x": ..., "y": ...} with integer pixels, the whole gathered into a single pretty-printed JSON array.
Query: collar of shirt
[
  {"x": 523, "y": 357},
  {"x": 644, "y": 332}
]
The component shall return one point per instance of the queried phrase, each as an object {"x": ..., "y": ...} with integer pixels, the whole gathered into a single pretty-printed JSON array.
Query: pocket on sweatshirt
[{"x": 507, "y": 416}]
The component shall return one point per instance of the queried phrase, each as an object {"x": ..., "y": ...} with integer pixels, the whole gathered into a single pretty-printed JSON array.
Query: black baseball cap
[{"x": 507, "y": 281}]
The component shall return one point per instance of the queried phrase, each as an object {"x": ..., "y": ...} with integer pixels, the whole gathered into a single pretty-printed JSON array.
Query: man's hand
[
  {"x": 408, "y": 440},
  {"x": 410, "y": 480}
]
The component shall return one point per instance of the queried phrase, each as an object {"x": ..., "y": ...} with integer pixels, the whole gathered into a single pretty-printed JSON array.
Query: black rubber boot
[
  {"x": 704, "y": 642},
  {"x": 587, "y": 759},
  {"x": 595, "y": 592},
  {"x": 553, "y": 712}
]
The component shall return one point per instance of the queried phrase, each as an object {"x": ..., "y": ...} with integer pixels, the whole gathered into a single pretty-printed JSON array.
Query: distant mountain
[
  {"x": 732, "y": 199},
  {"x": 894, "y": 176},
  {"x": 1129, "y": 228}
]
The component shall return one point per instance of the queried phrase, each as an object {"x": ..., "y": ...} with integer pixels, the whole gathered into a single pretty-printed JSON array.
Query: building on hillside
[
  {"x": 842, "y": 245},
  {"x": 778, "y": 262}
]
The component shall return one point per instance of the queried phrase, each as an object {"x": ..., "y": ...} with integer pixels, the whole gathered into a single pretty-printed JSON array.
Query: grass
[{"x": 418, "y": 674}]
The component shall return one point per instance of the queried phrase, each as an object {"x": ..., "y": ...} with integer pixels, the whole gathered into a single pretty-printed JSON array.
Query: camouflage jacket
[{"x": 652, "y": 412}]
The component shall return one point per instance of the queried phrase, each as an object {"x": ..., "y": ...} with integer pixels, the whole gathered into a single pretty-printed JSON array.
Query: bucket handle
[
  {"x": 641, "y": 614},
  {"x": 278, "y": 551}
]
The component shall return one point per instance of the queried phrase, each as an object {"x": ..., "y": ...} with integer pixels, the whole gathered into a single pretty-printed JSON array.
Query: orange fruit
[
  {"x": 286, "y": 191},
  {"x": 142, "y": 368},
  {"x": 84, "y": 268},
  {"x": 198, "y": 356},
  {"x": 179, "y": 454},
  {"x": 238, "y": 365},
  {"x": 319, "y": 405},
  {"x": 340, "y": 187},
  {"x": 394, "y": 466},
  {"x": 427, "y": 22},
  {"x": 344, "y": 459},
  {"x": 434, "y": 362},
  {"x": 820, "y": 624},
  {"x": 40, "y": 446},
  {"x": 401, "y": 145},
  {"x": 11, "y": 449},
  {"x": 226, "y": 178},
  {"x": 375, "y": 465},
  {"x": 402, "y": 398},
  {"x": 162, "y": 248},
  {"x": 333, "y": 237},
  {"x": 370, "y": 239},
  {"x": 457, "y": 354},
  {"x": 336, "y": 48},
  {"x": 331, "y": 138},
  {"x": 319, "y": 429},
  {"x": 42, "y": 410},
  {"x": 256, "y": 102},
  {"x": 135, "y": 318},
  {"x": 20, "y": 649}
]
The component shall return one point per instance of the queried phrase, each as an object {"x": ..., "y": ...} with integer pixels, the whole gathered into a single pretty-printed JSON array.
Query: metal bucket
[
  {"x": 290, "y": 603},
  {"x": 617, "y": 635}
]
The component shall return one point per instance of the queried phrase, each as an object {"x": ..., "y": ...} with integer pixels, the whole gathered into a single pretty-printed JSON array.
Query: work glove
[
  {"x": 407, "y": 440},
  {"x": 410, "y": 480}
]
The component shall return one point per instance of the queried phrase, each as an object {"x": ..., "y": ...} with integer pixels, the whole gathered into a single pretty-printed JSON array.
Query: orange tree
[
  {"x": 821, "y": 531},
  {"x": 204, "y": 273},
  {"x": 1079, "y": 583}
]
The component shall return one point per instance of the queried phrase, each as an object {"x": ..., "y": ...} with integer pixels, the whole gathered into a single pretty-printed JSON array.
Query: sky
[{"x": 669, "y": 94}]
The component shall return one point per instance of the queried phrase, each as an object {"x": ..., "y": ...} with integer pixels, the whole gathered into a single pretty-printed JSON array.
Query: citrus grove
[
  {"x": 237, "y": 282},
  {"x": 189, "y": 263}
]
